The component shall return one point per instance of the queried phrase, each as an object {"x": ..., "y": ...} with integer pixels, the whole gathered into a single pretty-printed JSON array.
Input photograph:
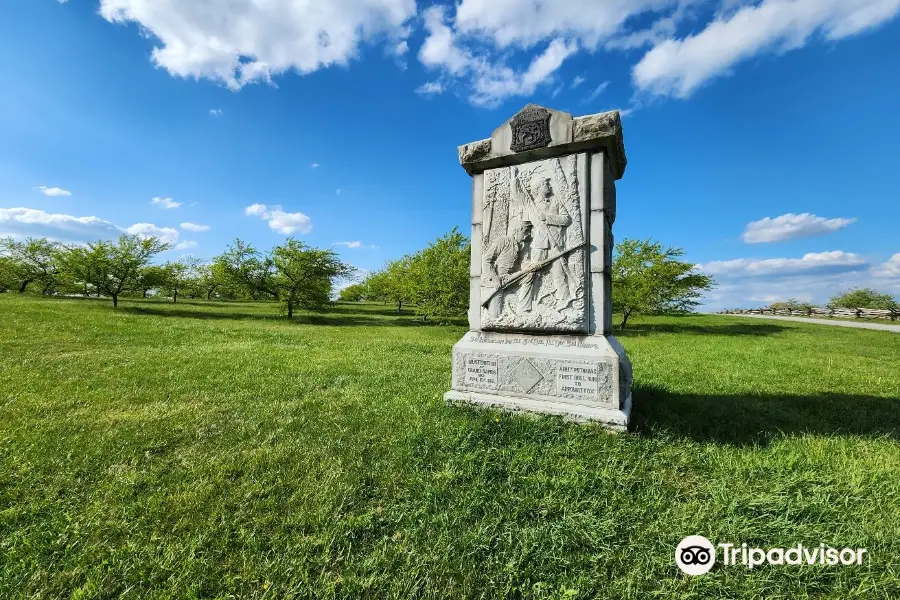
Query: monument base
[
  {"x": 582, "y": 378},
  {"x": 616, "y": 419}
]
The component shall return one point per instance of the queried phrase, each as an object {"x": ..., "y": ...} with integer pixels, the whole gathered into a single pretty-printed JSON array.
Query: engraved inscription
[
  {"x": 577, "y": 380},
  {"x": 481, "y": 372}
]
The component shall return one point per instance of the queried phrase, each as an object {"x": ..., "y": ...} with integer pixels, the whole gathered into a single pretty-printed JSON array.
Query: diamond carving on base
[{"x": 527, "y": 375}]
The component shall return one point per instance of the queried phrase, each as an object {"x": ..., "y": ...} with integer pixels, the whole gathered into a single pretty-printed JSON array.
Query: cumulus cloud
[
  {"x": 430, "y": 88},
  {"x": 890, "y": 268},
  {"x": 194, "y": 227},
  {"x": 237, "y": 42},
  {"x": 747, "y": 283},
  {"x": 314, "y": 166},
  {"x": 833, "y": 260},
  {"x": 166, "y": 203},
  {"x": 490, "y": 80},
  {"x": 677, "y": 67},
  {"x": 185, "y": 245},
  {"x": 24, "y": 222},
  {"x": 53, "y": 191},
  {"x": 791, "y": 226},
  {"x": 30, "y": 222},
  {"x": 354, "y": 244},
  {"x": 279, "y": 220},
  {"x": 216, "y": 112},
  {"x": 489, "y": 50},
  {"x": 167, "y": 235}
]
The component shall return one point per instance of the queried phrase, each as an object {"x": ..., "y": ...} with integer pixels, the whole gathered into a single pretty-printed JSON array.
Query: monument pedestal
[
  {"x": 540, "y": 305},
  {"x": 582, "y": 378}
]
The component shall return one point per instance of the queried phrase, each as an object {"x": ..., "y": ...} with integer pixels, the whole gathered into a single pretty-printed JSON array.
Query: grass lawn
[{"x": 214, "y": 450}]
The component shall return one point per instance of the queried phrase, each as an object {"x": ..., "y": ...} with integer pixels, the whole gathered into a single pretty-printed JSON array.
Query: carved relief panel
[{"x": 534, "y": 247}]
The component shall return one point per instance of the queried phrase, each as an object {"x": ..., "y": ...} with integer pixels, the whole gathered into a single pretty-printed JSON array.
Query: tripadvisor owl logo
[{"x": 695, "y": 555}]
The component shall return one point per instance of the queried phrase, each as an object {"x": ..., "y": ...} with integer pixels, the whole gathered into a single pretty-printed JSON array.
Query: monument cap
[{"x": 537, "y": 132}]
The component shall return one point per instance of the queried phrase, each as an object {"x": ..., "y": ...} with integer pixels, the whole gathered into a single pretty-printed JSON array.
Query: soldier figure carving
[
  {"x": 501, "y": 258},
  {"x": 549, "y": 220}
]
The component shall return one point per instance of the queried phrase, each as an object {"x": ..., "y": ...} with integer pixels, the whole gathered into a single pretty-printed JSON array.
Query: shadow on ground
[
  {"x": 757, "y": 419},
  {"x": 332, "y": 317}
]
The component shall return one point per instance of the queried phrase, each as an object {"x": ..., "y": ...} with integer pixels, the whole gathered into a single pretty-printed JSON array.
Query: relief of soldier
[{"x": 535, "y": 247}]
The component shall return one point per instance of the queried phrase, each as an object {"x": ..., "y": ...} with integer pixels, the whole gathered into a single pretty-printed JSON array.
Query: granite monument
[{"x": 540, "y": 307}]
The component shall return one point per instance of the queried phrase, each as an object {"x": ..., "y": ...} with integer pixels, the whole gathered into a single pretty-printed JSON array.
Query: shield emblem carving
[{"x": 530, "y": 129}]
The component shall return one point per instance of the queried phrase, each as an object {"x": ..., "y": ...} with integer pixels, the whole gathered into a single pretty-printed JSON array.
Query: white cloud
[
  {"x": 166, "y": 203},
  {"x": 821, "y": 261},
  {"x": 890, "y": 268},
  {"x": 355, "y": 244},
  {"x": 597, "y": 91},
  {"x": 748, "y": 283},
  {"x": 185, "y": 245},
  {"x": 491, "y": 81},
  {"x": 791, "y": 226},
  {"x": 237, "y": 42},
  {"x": 25, "y": 222},
  {"x": 30, "y": 222},
  {"x": 216, "y": 112},
  {"x": 167, "y": 235},
  {"x": 314, "y": 166},
  {"x": 53, "y": 191},
  {"x": 430, "y": 88},
  {"x": 526, "y": 23},
  {"x": 494, "y": 49},
  {"x": 194, "y": 227},
  {"x": 676, "y": 67},
  {"x": 279, "y": 220}
]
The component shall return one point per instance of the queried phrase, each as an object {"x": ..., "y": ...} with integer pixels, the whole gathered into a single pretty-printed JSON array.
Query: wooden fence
[{"x": 856, "y": 313}]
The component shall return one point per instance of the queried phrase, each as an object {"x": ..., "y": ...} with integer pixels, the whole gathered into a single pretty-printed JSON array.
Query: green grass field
[{"x": 215, "y": 450}]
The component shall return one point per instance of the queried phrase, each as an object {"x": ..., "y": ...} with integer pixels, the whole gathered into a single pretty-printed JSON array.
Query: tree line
[
  {"x": 853, "y": 299},
  {"x": 292, "y": 273},
  {"x": 434, "y": 282},
  {"x": 647, "y": 278}
]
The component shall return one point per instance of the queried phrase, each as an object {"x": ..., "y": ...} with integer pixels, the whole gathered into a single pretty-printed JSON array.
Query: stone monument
[{"x": 540, "y": 307}]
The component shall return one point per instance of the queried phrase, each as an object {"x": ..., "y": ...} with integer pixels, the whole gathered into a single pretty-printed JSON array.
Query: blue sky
[{"x": 761, "y": 135}]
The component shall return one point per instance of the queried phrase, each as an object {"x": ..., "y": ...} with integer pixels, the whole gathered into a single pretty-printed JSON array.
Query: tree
[
  {"x": 211, "y": 278},
  {"x": 113, "y": 267},
  {"x": 393, "y": 283},
  {"x": 7, "y": 273},
  {"x": 32, "y": 261},
  {"x": 792, "y": 304},
  {"x": 354, "y": 293},
  {"x": 439, "y": 276},
  {"x": 152, "y": 277},
  {"x": 246, "y": 271},
  {"x": 304, "y": 276},
  {"x": 178, "y": 275},
  {"x": 863, "y": 298},
  {"x": 648, "y": 278}
]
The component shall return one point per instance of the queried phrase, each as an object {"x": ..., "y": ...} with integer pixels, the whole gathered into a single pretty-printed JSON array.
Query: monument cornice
[{"x": 567, "y": 135}]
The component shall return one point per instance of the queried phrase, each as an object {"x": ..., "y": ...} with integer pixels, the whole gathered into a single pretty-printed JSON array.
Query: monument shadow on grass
[
  {"x": 731, "y": 329},
  {"x": 331, "y": 318},
  {"x": 748, "y": 419}
]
